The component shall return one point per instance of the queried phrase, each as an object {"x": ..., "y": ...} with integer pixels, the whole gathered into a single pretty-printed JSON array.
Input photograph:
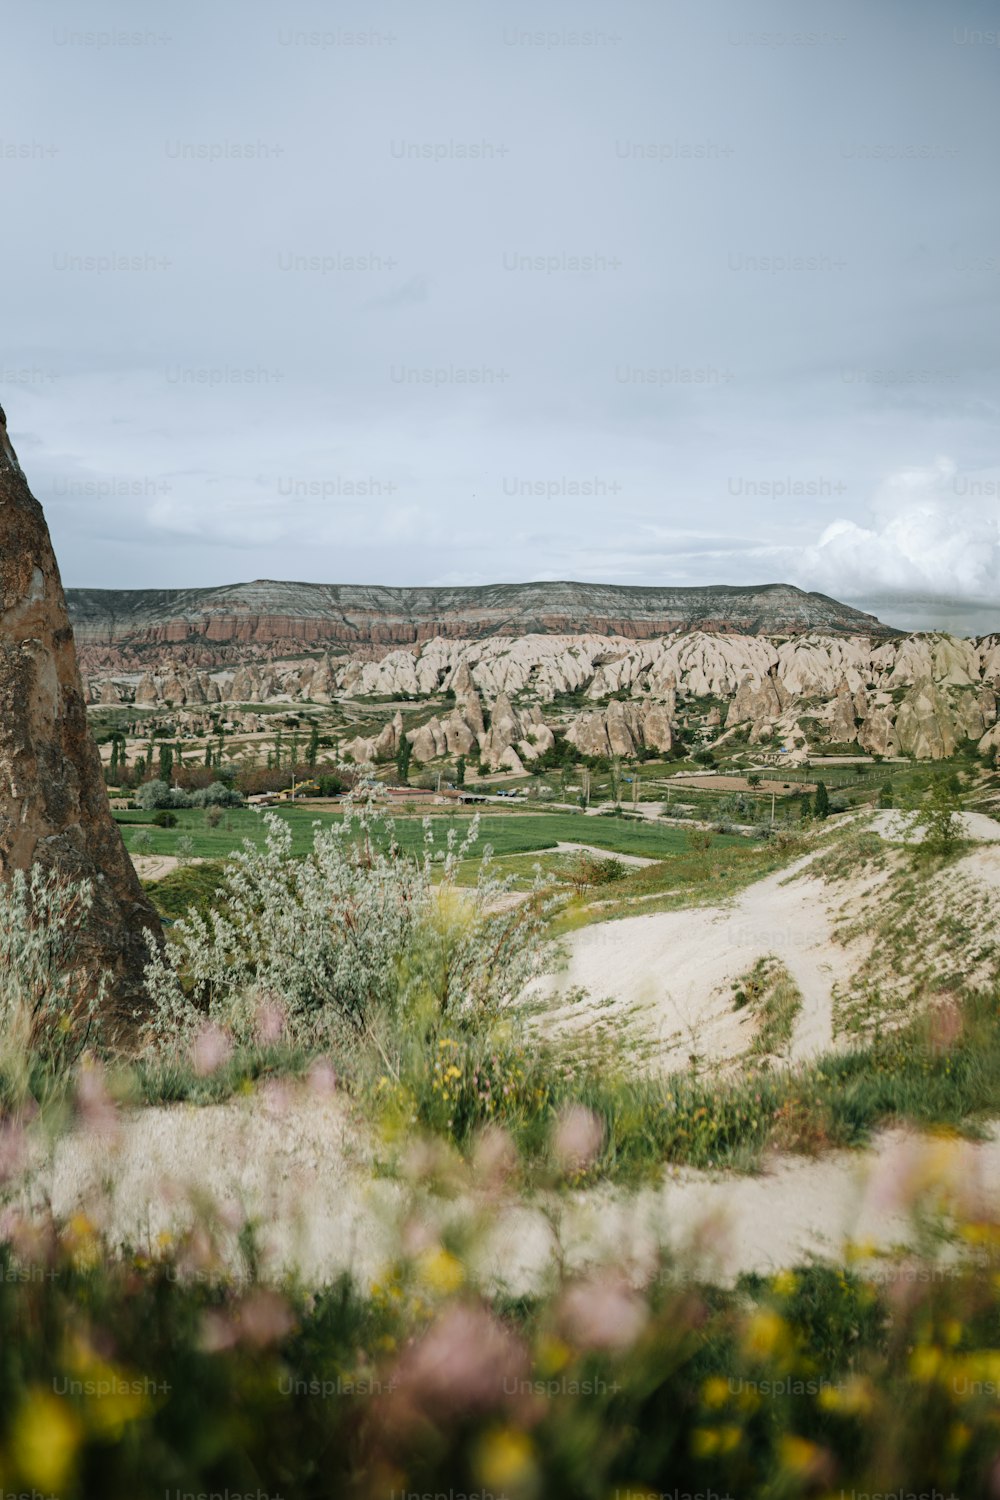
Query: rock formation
[
  {"x": 188, "y": 622},
  {"x": 53, "y": 804}
]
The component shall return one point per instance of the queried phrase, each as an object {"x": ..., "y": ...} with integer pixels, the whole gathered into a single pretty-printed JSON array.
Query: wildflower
[
  {"x": 767, "y": 1336},
  {"x": 464, "y": 1363},
  {"x": 577, "y": 1138},
  {"x": 210, "y": 1049},
  {"x": 277, "y": 1096},
  {"x": 801, "y": 1458},
  {"x": 715, "y": 1391},
  {"x": 441, "y": 1271},
  {"x": 707, "y": 1441},
  {"x": 13, "y": 1150},
  {"x": 505, "y": 1459},
  {"x": 270, "y": 1023},
  {"x": 46, "y": 1436},
  {"x": 494, "y": 1158},
  {"x": 96, "y": 1108},
  {"x": 925, "y": 1364},
  {"x": 321, "y": 1079},
  {"x": 604, "y": 1313}
]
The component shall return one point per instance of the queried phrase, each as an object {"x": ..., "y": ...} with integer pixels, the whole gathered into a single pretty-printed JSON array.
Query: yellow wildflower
[
  {"x": 45, "y": 1439},
  {"x": 715, "y": 1391},
  {"x": 506, "y": 1461},
  {"x": 440, "y": 1270}
]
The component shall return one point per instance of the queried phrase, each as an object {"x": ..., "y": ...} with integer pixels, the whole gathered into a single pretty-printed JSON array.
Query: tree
[
  {"x": 754, "y": 779},
  {"x": 313, "y": 749},
  {"x": 885, "y": 796},
  {"x": 152, "y": 794},
  {"x": 460, "y": 771},
  {"x": 821, "y": 805},
  {"x": 936, "y": 819},
  {"x": 166, "y": 763},
  {"x": 403, "y": 755},
  {"x": 805, "y": 805}
]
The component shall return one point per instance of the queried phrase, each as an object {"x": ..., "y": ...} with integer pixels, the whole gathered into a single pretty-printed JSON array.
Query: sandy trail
[
  {"x": 636, "y": 861},
  {"x": 674, "y": 971},
  {"x": 301, "y": 1169},
  {"x": 155, "y": 866}
]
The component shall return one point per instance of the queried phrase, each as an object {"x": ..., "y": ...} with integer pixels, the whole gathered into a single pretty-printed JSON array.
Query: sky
[{"x": 641, "y": 291}]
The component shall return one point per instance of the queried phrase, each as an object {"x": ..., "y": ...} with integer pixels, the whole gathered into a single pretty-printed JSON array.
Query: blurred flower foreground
[{"x": 173, "y": 1353}]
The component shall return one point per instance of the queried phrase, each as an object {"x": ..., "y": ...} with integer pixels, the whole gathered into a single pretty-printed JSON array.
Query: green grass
[
  {"x": 693, "y": 877},
  {"x": 510, "y": 832},
  {"x": 688, "y": 1120},
  {"x": 189, "y": 885},
  {"x": 774, "y": 999}
]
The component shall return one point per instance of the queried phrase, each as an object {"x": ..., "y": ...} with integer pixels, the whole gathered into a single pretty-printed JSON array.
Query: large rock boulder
[
  {"x": 756, "y": 699},
  {"x": 428, "y": 741},
  {"x": 503, "y": 734},
  {"x": 389, "y": 737},
  {"x": 53, "y": 803},
  {"x": 924, "y": 724},
  {"x": 146, "y": 690},
  {"x": 877, "y": 734}
]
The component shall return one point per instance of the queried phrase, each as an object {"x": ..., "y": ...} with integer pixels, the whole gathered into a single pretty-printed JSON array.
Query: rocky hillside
[
  {"x": 205, "y": 627},
  {"x": 506, "y": 697}
]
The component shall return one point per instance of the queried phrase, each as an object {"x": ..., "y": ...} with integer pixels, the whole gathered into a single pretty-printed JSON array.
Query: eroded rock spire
[{"x": 53, "y": 803}]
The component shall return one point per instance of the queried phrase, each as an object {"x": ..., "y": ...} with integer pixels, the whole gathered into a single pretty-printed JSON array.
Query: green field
[{"x": 507, "y": 833}]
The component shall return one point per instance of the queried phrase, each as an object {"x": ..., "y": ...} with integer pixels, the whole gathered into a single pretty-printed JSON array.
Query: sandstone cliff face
[
  {"x": 53, "y": 805},
  {"x": 200, "y": 626}
]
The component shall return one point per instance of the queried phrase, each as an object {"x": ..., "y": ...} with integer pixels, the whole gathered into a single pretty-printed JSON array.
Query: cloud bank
[{"x": 934, "y": 535}]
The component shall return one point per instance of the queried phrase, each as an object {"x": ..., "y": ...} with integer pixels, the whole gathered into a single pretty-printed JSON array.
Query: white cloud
[{"x": 934, "y": 534}]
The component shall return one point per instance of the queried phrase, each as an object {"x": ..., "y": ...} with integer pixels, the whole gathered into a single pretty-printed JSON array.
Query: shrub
[
  {"x": 157, "y": 794},
  {"x": 44, "y": 1014},
  {"x": 216, "y": 795},
  {"x": 164, "y": 819},
  {"x": 344, "y": 938},
  {"x": 592, "y": 869},
  {"x": 152, "y": 794},
  {"x": 935, "y": 820}
]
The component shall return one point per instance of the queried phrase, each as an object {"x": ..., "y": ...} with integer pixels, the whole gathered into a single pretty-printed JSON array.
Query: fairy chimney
[{"x": 54, "y": 808}]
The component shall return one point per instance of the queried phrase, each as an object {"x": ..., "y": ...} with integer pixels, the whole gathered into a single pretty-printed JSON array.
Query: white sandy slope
[
  {"x": 895, "y": 826},
  {"x": 673, "y": 972}
]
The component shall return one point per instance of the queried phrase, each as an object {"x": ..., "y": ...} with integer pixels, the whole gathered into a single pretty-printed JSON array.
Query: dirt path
[
  {"x": 675, "y": 971},
  {"x": 155, "y": 866},
  {"x": 636, "y": 861},
  {"x": 301, "y": 1169}
]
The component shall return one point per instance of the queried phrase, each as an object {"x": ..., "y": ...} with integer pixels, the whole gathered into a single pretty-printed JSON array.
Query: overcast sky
[{"x": 645, "y": 291}]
